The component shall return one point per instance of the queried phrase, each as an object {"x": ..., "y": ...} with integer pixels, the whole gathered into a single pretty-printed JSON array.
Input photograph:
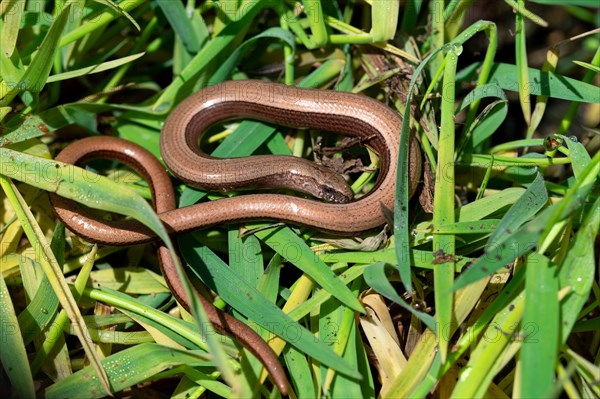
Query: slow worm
[{"x": 374, "y": 124}]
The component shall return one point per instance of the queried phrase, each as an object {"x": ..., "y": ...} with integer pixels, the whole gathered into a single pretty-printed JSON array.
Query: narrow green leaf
[
  {"x": 39, "y": 312},
  {"x": 490, "y": 118},
  {"x": 540, "y": 327},
  {"x": 587, "y": 65},
  {"x": 291, "y": 247},
  {"x": 53, "y": 272},
  {"x": 10, "y": 29},
  {"x": 443, "y": 205},
  {"x": 119, "y": 9},
  {"x": 102, "y": 20},
  {"x": 38, "y": 71},
  {"x": 181, "y": 24},
  {"x": 526, "y": 237},
  {"x": 583, "y": 3},
  {"x": 485, "y": 359},
  {"x": 248, "y": 301},
  {"x": 519, "y": 8},
  {"x": 530, "y": 203},
  {"x": 13, "y": 354},
  {"x": 521, "y": 59},
  {"x": 105, "y": 66},
  {"x": 386, "y": 13},
  {"x": 545, "y": 83},
  {"x": 344, "y": 387},
  {"x": 131, "y": 280},
  {"x": 31, "y": 127},
  {"x": 377, "y": 279},
  {"x": 213, "y": 50},
  {"x": 580, "y": 158},
  {"x": 300, "y": 372},
  {"x": 75, "y": 183},
  {"x": 125, "y": 368},
  {"x": 577, "y": 271},
  {"x": 420, "y": 259},
  {"x": 233, "y": 60}
]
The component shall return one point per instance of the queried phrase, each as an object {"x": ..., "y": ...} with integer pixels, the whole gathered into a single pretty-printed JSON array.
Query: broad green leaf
[
  {"x": 125, "y": 369},
  {"x": 13, "y": 354}
]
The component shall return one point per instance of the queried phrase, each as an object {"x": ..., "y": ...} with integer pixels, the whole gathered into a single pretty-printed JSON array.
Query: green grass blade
[
  {"x": 410, "y": 15},
  {"x": 521, "y": 59},
  {"x": 443, "y": 204},
  {"x": 580, "y": 158},
  {"x": 539, "y": 353},
  {"x": 77, "y": 184},
  {"x": 39, "y": 312},
  {"x": 13, "y": 354},
  {"x": 102, "y": 19},
  {"x": 487, "y": 356},
  {"x": 424, "y": 355},
  {"x": 291, "y": 247},
  {"x": 526, "y": 237},
  {"x": 545, "y": 83},
  {"x": 214, "y": 49},
  {"x": 13, "y": 9},
  {"x": 38, "y": 71},
  {"x": 518, "y": 7},
  {"x": 31, "y": 127},
  {"x": 248, "y": 301},
  {"x": 52, "y": 271},
  {"x": 181, "y": 24},
  {"x": 527, "y": 206},
  {"x": 105, "y": 66},
  {"x": 376, "y": 278},
  {"x": 124, "y": 369},
  {"x": 233, "y": 60},
  {"x": 300, "y": 373},
  {"x": 386, "y": 14},
  {"x": 577, "y": 271}
]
